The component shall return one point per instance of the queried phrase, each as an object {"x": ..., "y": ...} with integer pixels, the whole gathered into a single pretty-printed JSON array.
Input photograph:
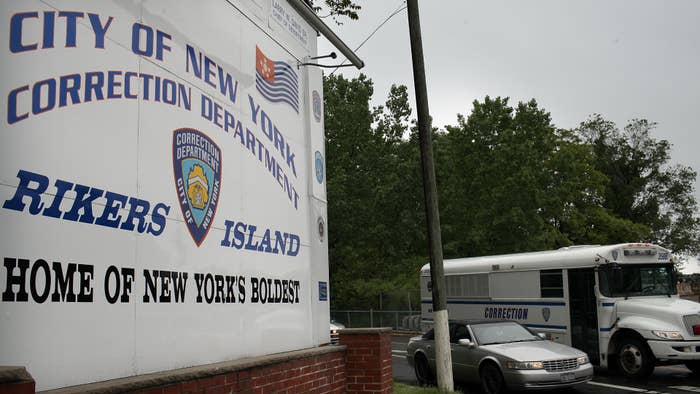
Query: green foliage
[
  {"x": 508, "y": 181},
  {"x": 512, "y": 182},
  {"x": 374, "y": 206},
  {"x": 337, "y": 8},
  {"x": 643, "y": 187}
]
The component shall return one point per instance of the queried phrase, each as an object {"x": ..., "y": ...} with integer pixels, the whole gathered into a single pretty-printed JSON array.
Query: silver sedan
[{"x": 501, "y": 355}]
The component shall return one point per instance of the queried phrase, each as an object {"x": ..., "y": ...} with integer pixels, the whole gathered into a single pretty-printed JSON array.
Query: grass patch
[{"x": 400, "y": 388}]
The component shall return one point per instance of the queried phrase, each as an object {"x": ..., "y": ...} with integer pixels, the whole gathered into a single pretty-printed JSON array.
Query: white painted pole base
[{"x": 443, "y": 353}]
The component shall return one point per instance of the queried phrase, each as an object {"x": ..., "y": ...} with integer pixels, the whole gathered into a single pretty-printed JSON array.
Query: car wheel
[
  {"x": 634, "y": 358},
  {"x": 491, "y": 379},
  {"x": 423, "y": 373},
  {"x": 694, "y": 366}
]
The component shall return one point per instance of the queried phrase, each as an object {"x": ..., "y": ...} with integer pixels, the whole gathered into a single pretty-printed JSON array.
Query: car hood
[
  {"x": 336, "y": 326},
  {"x": 534, "y": 351}
]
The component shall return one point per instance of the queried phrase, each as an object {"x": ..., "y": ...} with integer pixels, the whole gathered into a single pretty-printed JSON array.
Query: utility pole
[{"x": 443, "y": 355}]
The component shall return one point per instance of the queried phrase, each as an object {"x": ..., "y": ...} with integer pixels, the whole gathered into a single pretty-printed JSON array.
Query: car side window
[{"x": 460, "y": 332}]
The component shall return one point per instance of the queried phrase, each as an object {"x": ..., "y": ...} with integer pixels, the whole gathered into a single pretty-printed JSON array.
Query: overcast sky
[{"x": 622, "y": 59}]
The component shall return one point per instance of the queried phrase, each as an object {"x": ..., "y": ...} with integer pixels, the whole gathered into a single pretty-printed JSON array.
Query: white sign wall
[{"x": 160, "y": 195}]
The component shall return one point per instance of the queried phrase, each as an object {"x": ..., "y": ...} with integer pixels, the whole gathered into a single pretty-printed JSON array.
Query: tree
[
  {"x": 348, "y": 121},
  {"x": 511, "y": 182},
  {"x": 337, "y": 8},
  {"x": 578, "y": 212},
  {"x": 643, "y": 186},
  {"x": 508, "y": 181},
  {"x": 373, "y": 208}
]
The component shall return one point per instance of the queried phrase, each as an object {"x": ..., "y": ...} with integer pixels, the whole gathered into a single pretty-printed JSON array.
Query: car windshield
[
  {"x": 502, "y": 332},
  {"x": 637, "y": 280}
]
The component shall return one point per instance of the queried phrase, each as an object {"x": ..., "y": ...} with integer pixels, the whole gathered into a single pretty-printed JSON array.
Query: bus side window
[{"x": 551, "y": 284}]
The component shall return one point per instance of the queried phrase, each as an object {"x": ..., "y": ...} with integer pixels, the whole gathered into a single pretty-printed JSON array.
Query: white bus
[{"x": 618, "y": 303}]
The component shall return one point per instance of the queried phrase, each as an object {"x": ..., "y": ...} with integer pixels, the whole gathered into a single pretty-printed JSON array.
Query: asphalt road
[{"x": 674, "y": 379}]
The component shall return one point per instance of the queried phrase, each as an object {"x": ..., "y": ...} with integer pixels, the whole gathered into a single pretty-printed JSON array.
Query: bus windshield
[{"x": 622, "y": 280}]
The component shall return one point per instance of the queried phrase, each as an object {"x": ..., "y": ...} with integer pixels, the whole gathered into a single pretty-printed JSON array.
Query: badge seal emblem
[
  {"x": 546, "y": 313},
  {"x": 317, "y": 106},
  {"x": 197, "y": 170},
  {"x": 318, "y": 163}
]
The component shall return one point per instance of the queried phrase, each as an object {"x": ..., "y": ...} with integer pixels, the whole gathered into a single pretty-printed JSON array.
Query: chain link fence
[{"x": 397, "y": 320}]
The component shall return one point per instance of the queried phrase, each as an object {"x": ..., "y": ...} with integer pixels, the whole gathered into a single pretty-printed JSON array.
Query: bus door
[{"x": 583, "y": 312}]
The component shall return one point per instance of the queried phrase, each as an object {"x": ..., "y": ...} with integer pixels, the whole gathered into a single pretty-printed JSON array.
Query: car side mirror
[
  {"x": 467, "y": 343},
  {"x": 542, "y": 335}
]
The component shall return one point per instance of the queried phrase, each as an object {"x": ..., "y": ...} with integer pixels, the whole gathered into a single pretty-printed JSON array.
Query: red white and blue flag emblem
[{"x": 276, "y": 81}]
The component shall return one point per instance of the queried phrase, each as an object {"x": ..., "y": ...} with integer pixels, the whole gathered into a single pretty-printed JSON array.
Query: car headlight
[
  {"x": 524, "y": 365},
  {"x": 669, "y": 335},
  {"x": 583, "y": 360}
]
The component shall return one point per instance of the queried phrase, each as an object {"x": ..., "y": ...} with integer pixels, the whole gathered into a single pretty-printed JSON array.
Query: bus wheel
[
  {"x": 422, "y": 370},
  {"x": 634, "y": 358},
  {"x": 491, "y": 379},
  {"x": 694, "y": 366}
]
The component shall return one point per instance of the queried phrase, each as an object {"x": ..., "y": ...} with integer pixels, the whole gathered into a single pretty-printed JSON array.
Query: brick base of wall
[
  {"x": 361, "y": 363},
  {"x": 15, "y": 380},
  {"x": 368, "y": 366},
  {"x": 318, "y": 370}
]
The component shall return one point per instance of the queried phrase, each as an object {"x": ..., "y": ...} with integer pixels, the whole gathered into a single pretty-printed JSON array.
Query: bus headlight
[
  {"x": 524, "y": 365},
  {"x": 583, "y": 360},
  {"x": 668, "y": 335}
]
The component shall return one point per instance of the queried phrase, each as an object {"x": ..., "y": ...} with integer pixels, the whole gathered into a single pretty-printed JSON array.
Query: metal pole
[
  {"x": 310, "y": 16},
  {"x": 443, "y": 356}
]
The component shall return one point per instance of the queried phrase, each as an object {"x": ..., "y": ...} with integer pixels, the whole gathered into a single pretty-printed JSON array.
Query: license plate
[{"x": 567, "y": 377}]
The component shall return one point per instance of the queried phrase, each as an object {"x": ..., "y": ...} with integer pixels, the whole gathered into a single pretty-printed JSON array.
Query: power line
[{"x": 400, "y": 8}]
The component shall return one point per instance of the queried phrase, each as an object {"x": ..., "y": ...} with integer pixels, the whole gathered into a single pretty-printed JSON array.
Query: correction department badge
[
  {"x": 197, "y": 168},
  {"x": 546, "y": 313}
]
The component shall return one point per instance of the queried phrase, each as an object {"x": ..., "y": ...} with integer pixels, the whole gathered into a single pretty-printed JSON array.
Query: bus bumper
[{"x": 675, "y": 350}]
